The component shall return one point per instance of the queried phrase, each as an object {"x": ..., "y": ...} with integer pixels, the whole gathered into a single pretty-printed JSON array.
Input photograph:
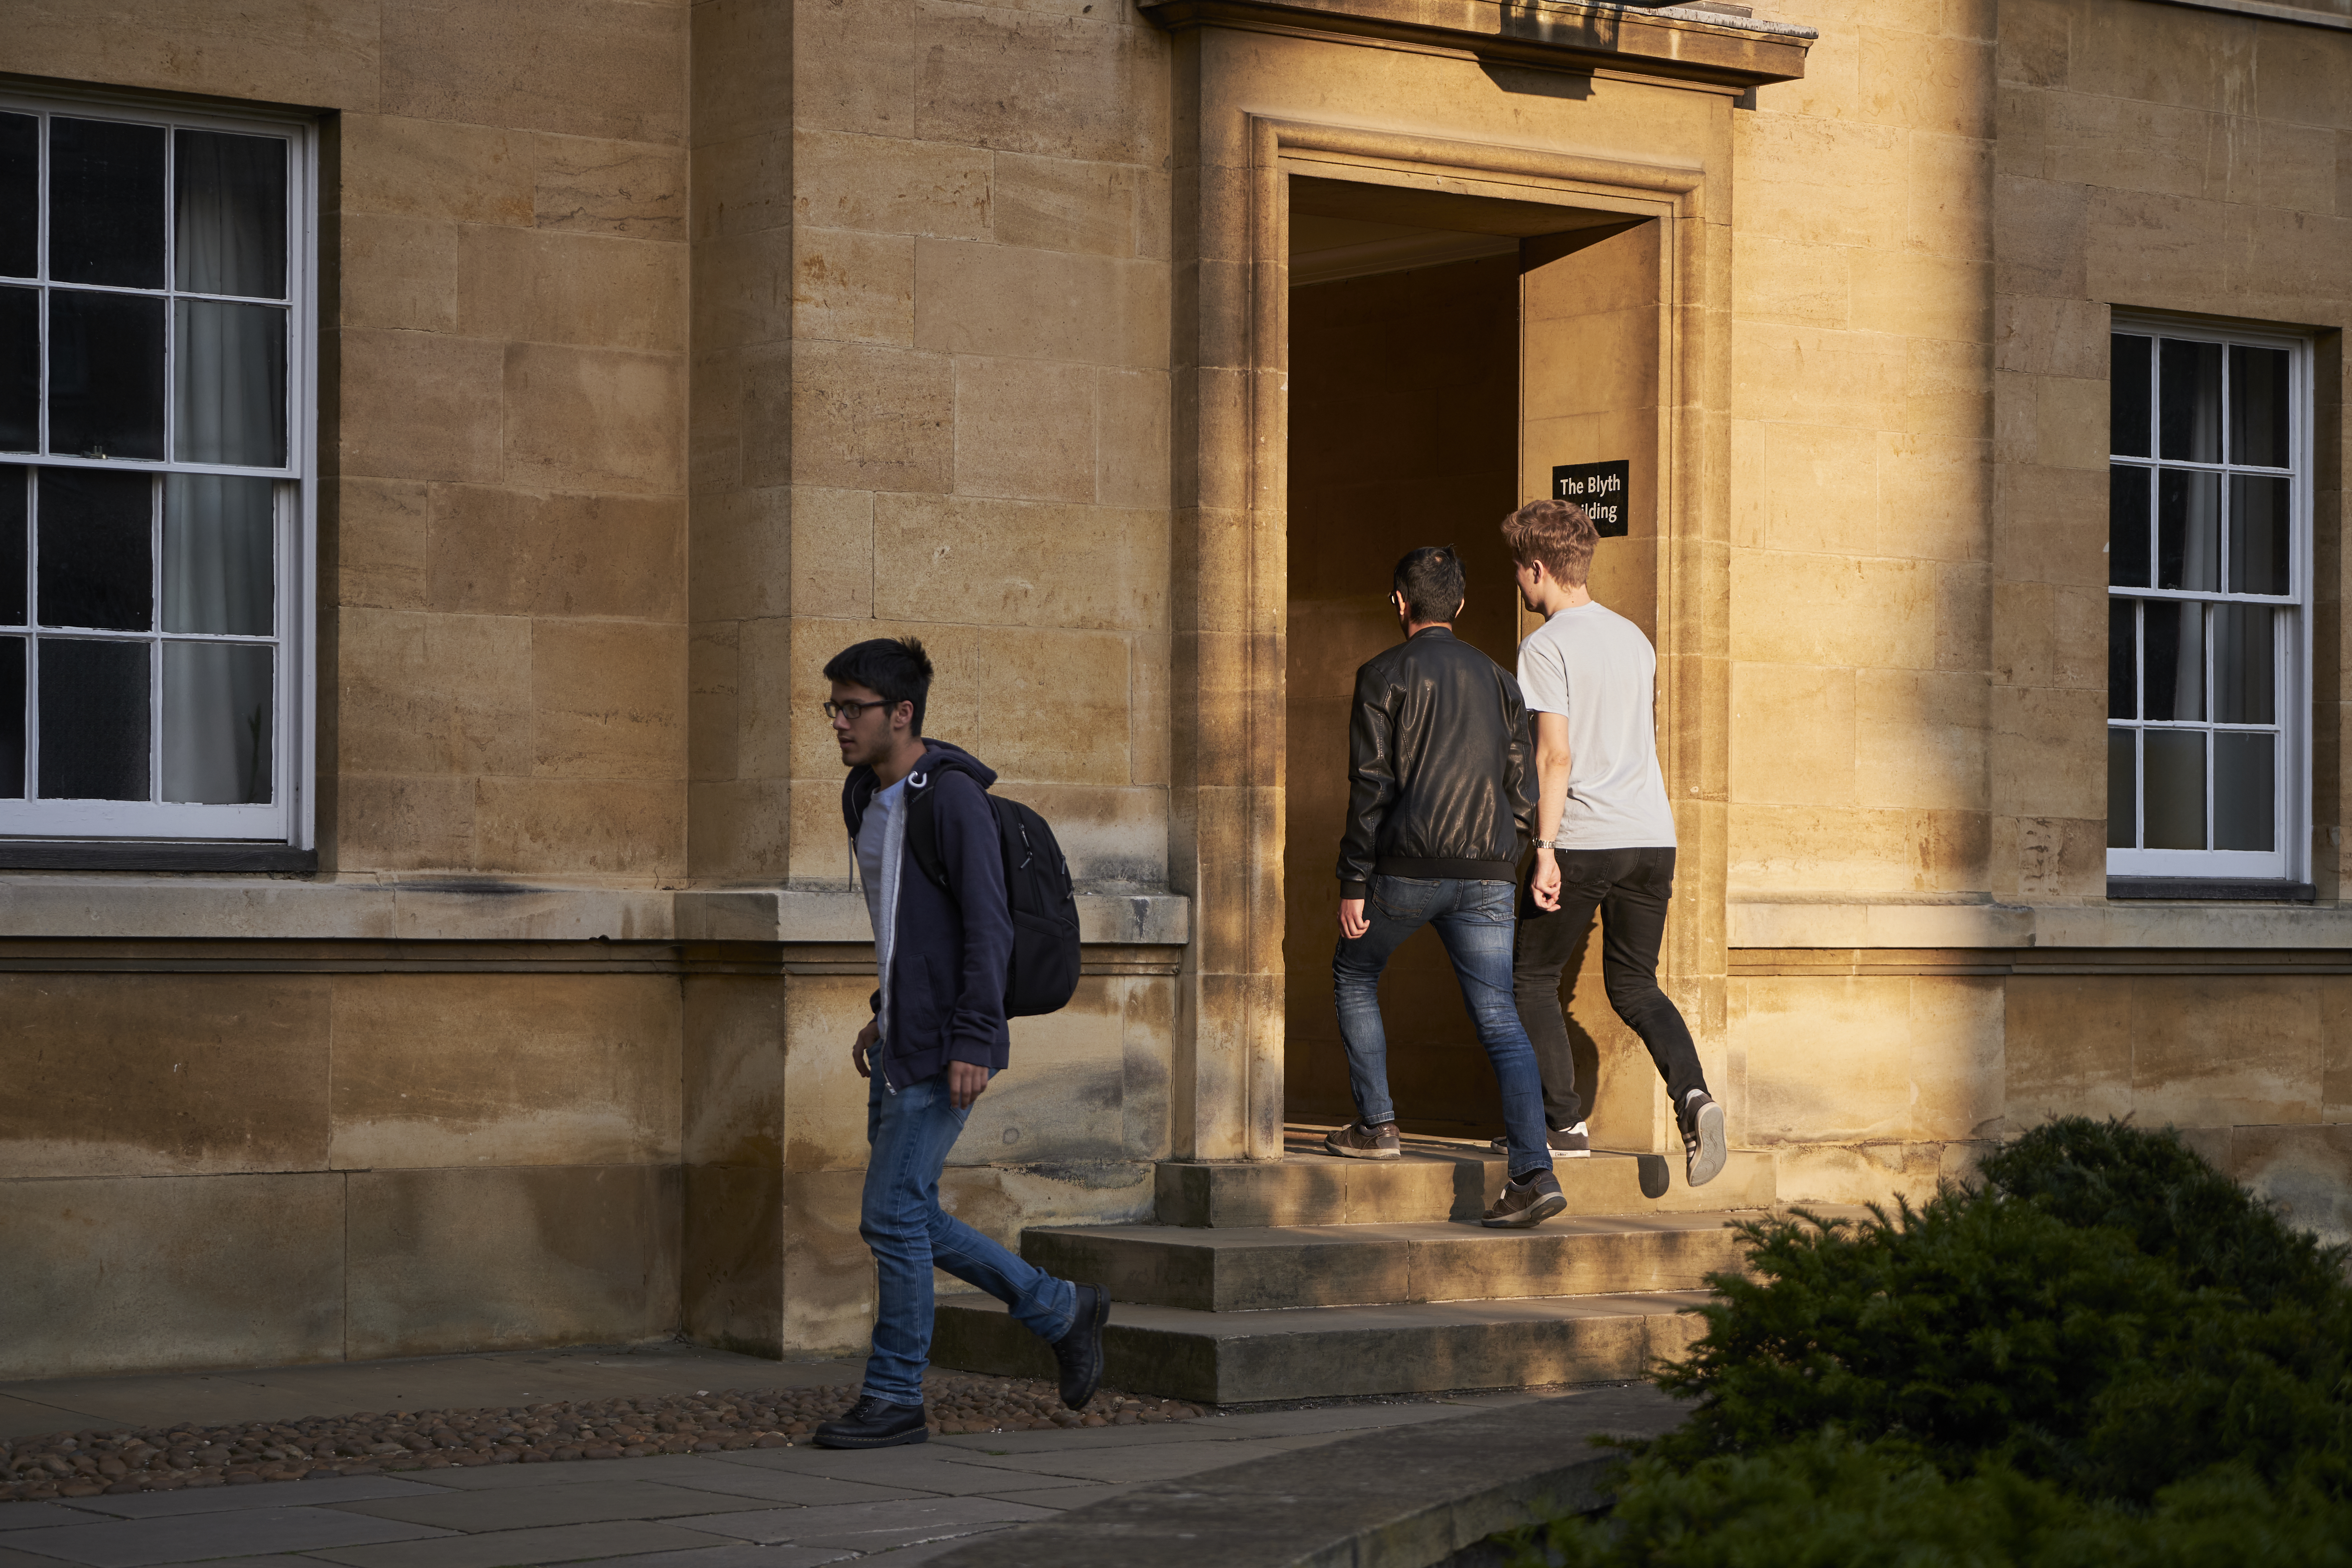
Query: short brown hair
[{"x": 1560, "y": 533}]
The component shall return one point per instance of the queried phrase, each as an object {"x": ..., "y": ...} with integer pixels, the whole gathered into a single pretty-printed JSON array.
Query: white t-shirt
[{"x": 1594, "y": 665}]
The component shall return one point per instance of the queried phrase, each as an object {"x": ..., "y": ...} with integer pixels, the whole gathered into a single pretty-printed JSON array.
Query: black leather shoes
[
  {"x": 1080, "y": 1350},
  {"x": 874, "y": 1422}
]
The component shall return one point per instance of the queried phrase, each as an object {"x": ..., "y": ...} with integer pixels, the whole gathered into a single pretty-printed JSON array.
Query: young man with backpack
[
  {"x": 933, "y": 849},
  {"x": 1605, "y": 833}
]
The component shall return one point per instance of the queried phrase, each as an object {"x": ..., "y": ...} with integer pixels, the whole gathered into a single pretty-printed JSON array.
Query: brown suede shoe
[
  {"x": 1523, "y": 1203},
  {"x": 1358, "y": 1142}
]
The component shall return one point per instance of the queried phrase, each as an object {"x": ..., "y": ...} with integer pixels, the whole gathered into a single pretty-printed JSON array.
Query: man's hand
[
  {"x": 1544, "y": 886},
  {"x": 1352, "y": 923},
  {"x": 866, "y": 1039},
  {"x": 967, "y": 1081}
]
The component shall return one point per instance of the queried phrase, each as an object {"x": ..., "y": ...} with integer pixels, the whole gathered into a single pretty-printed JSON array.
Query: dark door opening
[{"x": 1415, "y": 376}]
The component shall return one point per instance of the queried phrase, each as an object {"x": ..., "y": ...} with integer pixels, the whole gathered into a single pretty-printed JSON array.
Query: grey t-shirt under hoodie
[{"x": 879, "y": 836}]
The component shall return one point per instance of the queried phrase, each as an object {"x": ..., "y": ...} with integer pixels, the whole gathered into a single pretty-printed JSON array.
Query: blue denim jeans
[
  {"x": 910, "y": 1132},
  {"x": 1473, "y": 921}
]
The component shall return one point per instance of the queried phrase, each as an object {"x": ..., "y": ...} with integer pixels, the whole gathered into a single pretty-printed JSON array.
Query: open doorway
[{"x": 1446, "y": 355}]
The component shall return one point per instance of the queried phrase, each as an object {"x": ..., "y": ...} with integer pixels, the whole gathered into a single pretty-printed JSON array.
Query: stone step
[
  {"x": 1239, "y": 1358},
  {"x": 1435, "y": 1179},
  {"x": 1262, "y": 1268}
]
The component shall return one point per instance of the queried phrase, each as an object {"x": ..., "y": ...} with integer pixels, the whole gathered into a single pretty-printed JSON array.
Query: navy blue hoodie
[{"x": 952, "y": 955}]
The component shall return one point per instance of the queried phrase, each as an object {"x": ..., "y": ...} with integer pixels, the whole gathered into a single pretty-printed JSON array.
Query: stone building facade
[{"x": 637, "y": 354}]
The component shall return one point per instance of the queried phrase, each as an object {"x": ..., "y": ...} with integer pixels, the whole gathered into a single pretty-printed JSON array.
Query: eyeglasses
[{"x": 855, "y": 708}]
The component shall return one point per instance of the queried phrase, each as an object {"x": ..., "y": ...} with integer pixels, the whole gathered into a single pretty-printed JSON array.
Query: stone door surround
[{"x": 1231, "y": 357}]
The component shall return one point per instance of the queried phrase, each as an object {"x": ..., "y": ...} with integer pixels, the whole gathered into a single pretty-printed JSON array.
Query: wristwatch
[{"x": 1546, "y": 843}]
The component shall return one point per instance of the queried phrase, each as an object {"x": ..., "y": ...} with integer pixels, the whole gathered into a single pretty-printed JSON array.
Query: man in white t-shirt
[{"x": 1604, "y": 833}]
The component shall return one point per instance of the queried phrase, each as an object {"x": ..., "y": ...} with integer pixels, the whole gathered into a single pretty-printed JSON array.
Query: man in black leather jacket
[{"x": 1441, "y": 790}]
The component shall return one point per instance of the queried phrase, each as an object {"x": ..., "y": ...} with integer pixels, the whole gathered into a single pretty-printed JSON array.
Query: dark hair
[
  {"x": 896, "y": 669},
  {"x": 1431, "y": 581},
  {"x": 1560, "y": 533}
]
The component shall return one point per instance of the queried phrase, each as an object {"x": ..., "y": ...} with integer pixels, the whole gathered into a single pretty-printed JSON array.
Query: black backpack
[{"x": 1044, "y": 970}]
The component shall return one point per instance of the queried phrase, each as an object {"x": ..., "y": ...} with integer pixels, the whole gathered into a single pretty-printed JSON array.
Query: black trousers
[{"x": 1630, "y": 888}]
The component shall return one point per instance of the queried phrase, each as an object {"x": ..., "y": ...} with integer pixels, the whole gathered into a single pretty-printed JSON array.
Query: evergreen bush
[{"x": 2104, "y": 1350}]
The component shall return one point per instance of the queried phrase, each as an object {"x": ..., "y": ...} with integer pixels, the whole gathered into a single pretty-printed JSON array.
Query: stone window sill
[
  {"x": 2201, "y": 890},
  {"x": 162, "y": 855}
]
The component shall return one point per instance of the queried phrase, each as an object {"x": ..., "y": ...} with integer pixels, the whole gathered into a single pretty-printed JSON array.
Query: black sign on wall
[{"x": 1600, "y": 489}]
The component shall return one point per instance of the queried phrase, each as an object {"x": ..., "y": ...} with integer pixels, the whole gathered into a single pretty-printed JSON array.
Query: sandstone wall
[
  {"x": 1933, "y": 229},
  {"x": 616, "y": 299}
]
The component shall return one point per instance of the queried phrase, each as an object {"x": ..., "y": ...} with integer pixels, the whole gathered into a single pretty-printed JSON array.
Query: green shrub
[
  {"x": 1824, "y": 1501},
  {"x": 2011, "y": 1326},
  {"x": 2155, "y": 1188}
]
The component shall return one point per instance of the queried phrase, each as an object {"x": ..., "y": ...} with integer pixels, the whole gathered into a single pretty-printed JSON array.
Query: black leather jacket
[{"x": 1439, "y": 766}]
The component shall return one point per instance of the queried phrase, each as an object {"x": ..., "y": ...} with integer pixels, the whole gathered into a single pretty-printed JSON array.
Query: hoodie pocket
[{"x": 917, "y": 1011}]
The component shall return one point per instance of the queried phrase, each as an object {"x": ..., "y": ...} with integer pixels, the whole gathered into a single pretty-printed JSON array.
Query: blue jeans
[
  {"x": 1473, "y": 921},
  {"x": 910, "y": 1132}
]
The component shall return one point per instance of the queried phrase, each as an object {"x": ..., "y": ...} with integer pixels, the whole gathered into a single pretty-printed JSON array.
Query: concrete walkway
[{"x": 778, "y": 1507}]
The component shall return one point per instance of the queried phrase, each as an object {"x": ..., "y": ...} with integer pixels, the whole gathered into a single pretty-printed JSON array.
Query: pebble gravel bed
[{"x": 165, "y": 1458}]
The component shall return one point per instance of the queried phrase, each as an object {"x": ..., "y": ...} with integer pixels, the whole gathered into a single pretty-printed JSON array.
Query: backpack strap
[{"x": 922, "y": 839}]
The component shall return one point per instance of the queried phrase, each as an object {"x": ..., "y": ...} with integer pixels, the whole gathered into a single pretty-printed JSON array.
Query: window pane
[
  {"x": 229, "y": 384},
  {"x": 20, "y": 186},
  {"x": 106, "y": 374},
  {"x": 230, "y": 233},
  {"x": 2128, "y": 534},
  {"x": 2176, "y": 789},
  {"x": 2190, "y": 414},
  {"x": 218, "y": 722},
  {"x": 2258, "y": 410},
  {"x": 2123, "y": 660},
  {"x": 2127, "y": 395},
  {"x": 15, "y": 509},
  {"x": 12, "y": 718},
  {"x": 97, "y": 564},
  {"x": 218, "y": 542},
  {"x": 2258, "y": 533},
  {"x": 2245, "y": 791},
  {"x": 2172, "y": 679},
  {"x": 106, "y": 203},
  {"x": 93, "y": 719},
  {"x": 2245, "y": 664},
  {"x": 20, "y": 370},
  {"x": 2187, "y": 529},
  {"x": 2123, "y": 789}
]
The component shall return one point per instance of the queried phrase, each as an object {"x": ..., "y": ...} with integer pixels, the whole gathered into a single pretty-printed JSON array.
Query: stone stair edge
[{"x": 1404, "y": 1498}]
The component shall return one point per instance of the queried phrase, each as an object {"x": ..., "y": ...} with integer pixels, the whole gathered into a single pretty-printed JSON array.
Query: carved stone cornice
[{"x": 1562, "y": 35}]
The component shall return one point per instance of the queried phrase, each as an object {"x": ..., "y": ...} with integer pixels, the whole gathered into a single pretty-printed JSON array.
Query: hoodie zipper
[{"x": 857, "y": 876}]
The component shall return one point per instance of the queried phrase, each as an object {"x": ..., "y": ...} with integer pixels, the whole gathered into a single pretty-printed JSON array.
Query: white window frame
[
  {"x": 2290, "y": 860},
  {"x": 290, "y": 818}
]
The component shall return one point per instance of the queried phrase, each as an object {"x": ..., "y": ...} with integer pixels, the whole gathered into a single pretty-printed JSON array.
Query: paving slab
[
  {"x": 137, "y": 1543},
  {"x": 30, "y": 1515},
  {"x": 734, "y": 1554},
  {"x": 227, "y": 1499},
  {"x": 12, "y": 1558},
  {"x": 873, "y": 1526},
  {"x": 1120, "y": 1465},
  {"x": 926, "y": 1551},
  {"x": 901, "y": 1470},
  {"x": 508, "y": 1548},
  {"x": 1067, "y": 1497},
  {"x": 535, "y": 1507}
]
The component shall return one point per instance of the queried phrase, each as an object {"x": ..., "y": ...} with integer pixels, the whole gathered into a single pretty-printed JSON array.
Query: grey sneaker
[
  {"x": 1358, "y": 1140},
  {"x": 1567, "y": 1142},
  {"x": 1523, "y": 1203},
  {"x": 1702, "y": 1123}
]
